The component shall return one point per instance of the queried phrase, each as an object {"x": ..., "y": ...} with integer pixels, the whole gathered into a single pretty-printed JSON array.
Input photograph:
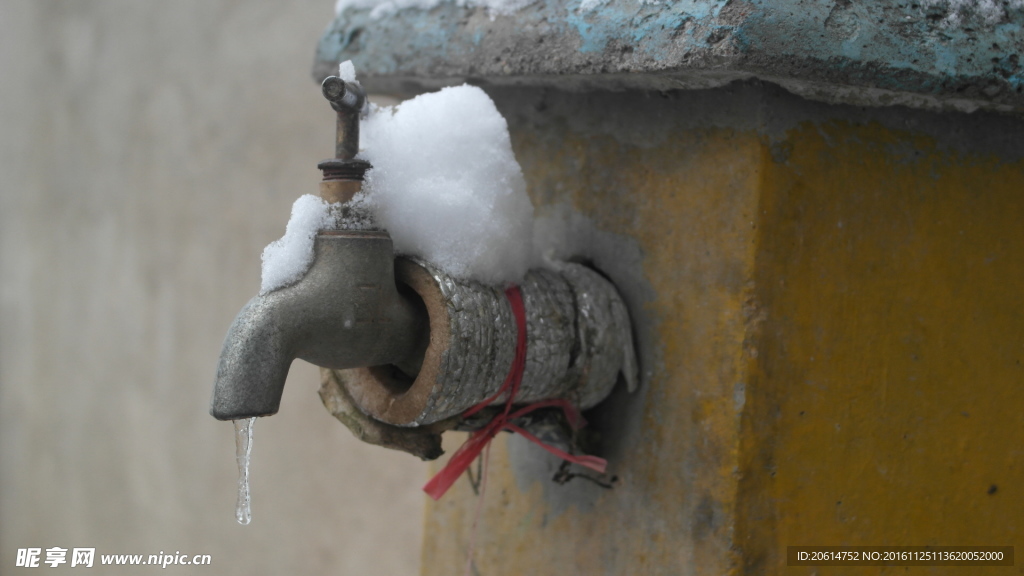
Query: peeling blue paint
[
  {"x": 589, "y": 42},
  {"x": 650, "y": 24}
]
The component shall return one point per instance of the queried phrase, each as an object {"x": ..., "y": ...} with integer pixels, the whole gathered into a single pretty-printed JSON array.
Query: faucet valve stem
[
  {"x": 348, "y": 100},
  {"x": 343, "y": 174}
]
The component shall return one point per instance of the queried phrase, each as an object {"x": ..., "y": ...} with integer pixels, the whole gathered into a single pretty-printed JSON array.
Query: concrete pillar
[{"x": 825, "y": 282}]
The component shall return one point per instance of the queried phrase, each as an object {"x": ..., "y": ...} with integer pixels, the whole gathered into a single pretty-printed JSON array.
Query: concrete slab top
[{"x": 939, "y": 54}]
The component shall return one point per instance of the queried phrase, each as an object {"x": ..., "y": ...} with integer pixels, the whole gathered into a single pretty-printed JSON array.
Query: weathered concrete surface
[
  {"x": 932, "y": 53},
  {"x": 884, "y": 404},
  {"x": 148, "y": 152},
  {"x": 831, "y": 336},
  {"x": 689, "y": 202}
]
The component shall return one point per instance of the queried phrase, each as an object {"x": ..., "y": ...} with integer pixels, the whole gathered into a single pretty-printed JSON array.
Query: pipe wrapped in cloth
[{"x": 578, "y": 341}]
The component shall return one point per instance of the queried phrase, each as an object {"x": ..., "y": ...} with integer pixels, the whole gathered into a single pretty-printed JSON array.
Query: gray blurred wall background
[{"x": 148, "y": 152}]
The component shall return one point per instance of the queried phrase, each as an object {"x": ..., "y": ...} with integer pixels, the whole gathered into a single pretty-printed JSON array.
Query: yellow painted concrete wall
[
  {"x": 832, "y": 337},
  {"x": 885, "y": 404}
]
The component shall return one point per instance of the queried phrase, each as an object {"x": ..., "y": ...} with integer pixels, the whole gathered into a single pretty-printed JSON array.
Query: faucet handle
[
  {"x": 342, "y": 94},
  {"x": 348, "y": 99},
  {"x": 343, "y": 174}
]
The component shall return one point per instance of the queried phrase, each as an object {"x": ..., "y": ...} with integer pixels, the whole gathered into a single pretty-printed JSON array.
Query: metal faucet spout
[{"x": 346, "y": 312}]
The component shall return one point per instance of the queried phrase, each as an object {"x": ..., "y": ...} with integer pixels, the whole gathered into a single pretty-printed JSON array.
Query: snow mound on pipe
[{"x": 446, "y": 185}]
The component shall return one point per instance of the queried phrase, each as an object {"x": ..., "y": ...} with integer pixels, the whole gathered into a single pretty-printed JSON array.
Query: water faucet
[
  {"x": 345, "y": 312},
  {"x": 403, "y": 361}
]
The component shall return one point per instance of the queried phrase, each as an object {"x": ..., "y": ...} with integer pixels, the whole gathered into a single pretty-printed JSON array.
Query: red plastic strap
[{"x": 464, "y": 456}]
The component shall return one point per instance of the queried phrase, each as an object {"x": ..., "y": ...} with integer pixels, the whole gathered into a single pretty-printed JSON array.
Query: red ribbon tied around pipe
[{"x": 478, "y": 440}]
